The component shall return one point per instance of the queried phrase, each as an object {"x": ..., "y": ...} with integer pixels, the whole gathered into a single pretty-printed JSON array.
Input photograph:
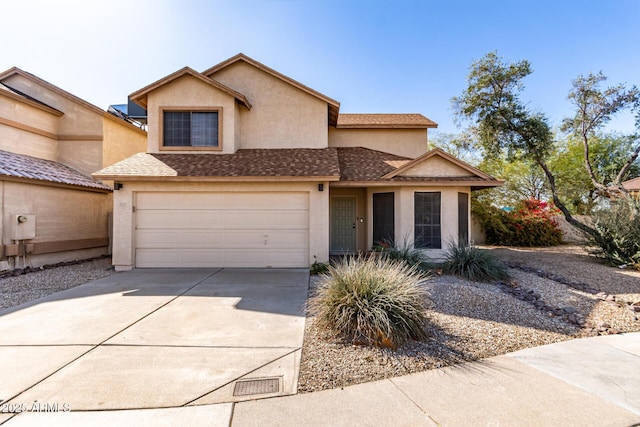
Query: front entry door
[{"x": 343, "y": 224}]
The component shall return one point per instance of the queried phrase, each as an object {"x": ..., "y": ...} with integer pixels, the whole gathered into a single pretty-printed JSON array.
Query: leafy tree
[
  {"x": 460, "y": 145},
  {"x": 505, "y": 126},
  {"x": 525, "y": 181},
  {"x": 594, "y": 109},
  {"x": 607, "y": 155}
]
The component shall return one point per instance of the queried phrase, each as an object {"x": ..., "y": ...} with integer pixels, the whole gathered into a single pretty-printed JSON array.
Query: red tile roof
[
  {"x": 368, "y": 121},
  {"x": 32, "y": 168}
]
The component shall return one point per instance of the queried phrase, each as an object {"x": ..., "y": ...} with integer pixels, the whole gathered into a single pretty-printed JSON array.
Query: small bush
[
  {"x": 619, "y": 233},
  {"x": 372, "y": 300},
  {"x": 531, "y": 223},
  {"x": 318, "y": 267},
  {"x": 404, "y": 250},
  {"x": 473, "y": 263}
]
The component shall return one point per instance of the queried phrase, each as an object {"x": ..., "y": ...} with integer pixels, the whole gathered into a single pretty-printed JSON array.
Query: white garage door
[{"x": 222, "y": 229}]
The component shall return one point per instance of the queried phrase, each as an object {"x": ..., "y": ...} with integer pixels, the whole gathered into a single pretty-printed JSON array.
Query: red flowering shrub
[{"x": 531, "y": 223}]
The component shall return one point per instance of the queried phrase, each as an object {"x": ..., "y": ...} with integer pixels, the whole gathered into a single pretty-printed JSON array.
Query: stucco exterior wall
[
  {"x": 28, "y": 115},
  {"x": 436, "y": 166},
  {"x": 187, "y": 92},
  {"x": 85, "y": 156},
  {"x": 62, "y": 215},
  {"x": 282, "y": 116},
  {"x": 410, "y": 143},
  {"x": 20, "y": 141},
  {"x": 120, "y": 140},
  {"x": 124, "y": 217},
  {"x": 404, "y": 214},
  {"x": 78, "y": 119}
]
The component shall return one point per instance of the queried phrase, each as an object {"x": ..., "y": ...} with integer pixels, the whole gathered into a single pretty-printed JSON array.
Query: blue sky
[{"x": 387, "y": 56}]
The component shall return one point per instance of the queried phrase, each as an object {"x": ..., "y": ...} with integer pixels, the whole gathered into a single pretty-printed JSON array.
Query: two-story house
[
  {"x": 51, "y": 210},
  {"x": 246, "y": 167}
]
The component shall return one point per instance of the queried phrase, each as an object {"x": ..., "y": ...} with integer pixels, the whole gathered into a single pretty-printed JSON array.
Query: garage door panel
[
  {"x": 267, "y": 219},
  {"x": 222, "y": 229},
  {"x": 254, "y": 239},
  {"x": 219, "y": 258}
]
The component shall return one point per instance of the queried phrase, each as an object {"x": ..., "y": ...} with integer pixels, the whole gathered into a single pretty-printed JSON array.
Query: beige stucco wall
[
  {"x": 28, "y": 115},
  {"x": 32, "y": 144},
  {"x": 187, "y": 92},
  {"x": 410, "y": 143},
  {"x": 62, "y": 214},
  {"x": 404, "y": 214},
  {"x": 78, "y": 119},
  {"x": 120, "y": 140},
  {"x": 85, "y": 156},
  {"x": 282, "y": 116},
  {"x": 124, "y": 221},
  {"x": 436, "y": 166}
]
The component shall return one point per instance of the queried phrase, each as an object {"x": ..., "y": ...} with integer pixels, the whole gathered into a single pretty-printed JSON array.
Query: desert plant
[
  {"x": 318, "y": 267},
  {"x": 372, "y": 300},
  {"x": 404, "y": 250},
  {"x": 619, "y": 232},
  {"x": 473, "y": 263}
]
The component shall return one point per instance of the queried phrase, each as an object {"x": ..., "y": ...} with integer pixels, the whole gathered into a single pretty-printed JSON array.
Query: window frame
[
  {"x": 416, "y": 237},
  {"x": 169, "y": 109}
]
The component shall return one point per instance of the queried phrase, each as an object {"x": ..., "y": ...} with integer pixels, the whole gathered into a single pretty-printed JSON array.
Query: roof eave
[
  {"x": 387, "y": 183},
  {"x": 148, "y": 178}
]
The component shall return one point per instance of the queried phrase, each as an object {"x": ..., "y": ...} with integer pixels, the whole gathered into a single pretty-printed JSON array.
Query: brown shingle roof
[
  {"x": 369, "y": 121},
  {"x": 359, "y": 164},
  {"x": 363, "y": 164},
  {"x": 27, "y": 167},
  {"x": 294, "y": 162}
]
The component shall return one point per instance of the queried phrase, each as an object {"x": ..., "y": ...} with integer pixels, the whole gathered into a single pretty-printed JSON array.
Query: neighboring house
[
  {"x": 246, "y": 167},
  {"x": 50, "y": 142},
  {"x": 633, "y": 186}
]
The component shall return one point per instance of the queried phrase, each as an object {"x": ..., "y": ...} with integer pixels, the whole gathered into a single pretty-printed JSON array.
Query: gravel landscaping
[
  {"x": 555, "y": 294},
  {"x": 16, "y": 290}
]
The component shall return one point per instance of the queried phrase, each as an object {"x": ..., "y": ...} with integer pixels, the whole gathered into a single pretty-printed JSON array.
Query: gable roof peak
[
  {"x": 334, "y": 106},
  {"x": 140, "y": 96}
]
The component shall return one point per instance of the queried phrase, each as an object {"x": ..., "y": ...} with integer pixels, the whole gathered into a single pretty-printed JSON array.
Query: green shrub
[
  {"x": 404, "y": 250},
  {"x": 531, "y": 223},
  {"x": 318, "y": 267},
  {"x": 473, "y": 263},
  {"x": 372, "y": 300},
  {"x": 619, "y": 233}
]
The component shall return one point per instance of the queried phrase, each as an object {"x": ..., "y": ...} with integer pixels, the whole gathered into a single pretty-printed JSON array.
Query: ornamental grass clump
[
  {"x": 473, "y": 263},
  {"x": 372, "y": 300}
]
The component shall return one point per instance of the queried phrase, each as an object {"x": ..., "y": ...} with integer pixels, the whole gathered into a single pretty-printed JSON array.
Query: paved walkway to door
[{"x": 156, "y": 339}]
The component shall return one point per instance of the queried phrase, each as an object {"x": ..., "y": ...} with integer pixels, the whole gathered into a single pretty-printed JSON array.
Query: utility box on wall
[{"x": 23, "y": 227}]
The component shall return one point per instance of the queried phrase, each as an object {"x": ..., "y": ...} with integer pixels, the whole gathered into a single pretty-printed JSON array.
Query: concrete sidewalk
[{"x": 586, "y": 382}]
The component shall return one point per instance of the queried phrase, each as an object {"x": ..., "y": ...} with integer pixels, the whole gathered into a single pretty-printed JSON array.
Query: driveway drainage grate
[{"x": 258, "y": 386}]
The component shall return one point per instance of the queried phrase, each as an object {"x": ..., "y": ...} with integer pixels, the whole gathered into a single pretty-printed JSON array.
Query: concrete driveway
[{"x": 156, "y": 338}]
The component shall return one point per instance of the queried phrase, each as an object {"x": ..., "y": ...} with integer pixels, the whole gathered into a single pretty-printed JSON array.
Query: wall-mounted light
[
  {"x": 320, "y": 187},
  {"x": 117, "y": 186}
]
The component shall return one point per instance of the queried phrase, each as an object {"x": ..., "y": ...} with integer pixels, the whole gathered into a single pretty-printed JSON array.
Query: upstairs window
[{"x": 199, "y": 129}]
